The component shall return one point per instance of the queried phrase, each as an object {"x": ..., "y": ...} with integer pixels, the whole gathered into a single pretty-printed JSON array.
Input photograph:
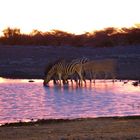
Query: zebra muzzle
[{"x": 44, "y": 83}]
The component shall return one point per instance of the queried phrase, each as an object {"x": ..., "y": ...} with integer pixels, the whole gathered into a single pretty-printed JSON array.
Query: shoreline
[
  {"x": 54, "y": 121},
  {"x": 106, "y": 128},
  {"x": 41, "y": 78}
]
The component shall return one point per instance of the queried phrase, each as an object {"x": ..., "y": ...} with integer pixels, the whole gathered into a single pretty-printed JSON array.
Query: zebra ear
[{"x": 84, "y": 57}]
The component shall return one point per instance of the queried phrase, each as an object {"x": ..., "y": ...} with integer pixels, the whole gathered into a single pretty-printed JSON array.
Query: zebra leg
[
  {"x": 77, "y": 81},
  {"x": 94, "y": 77},
  {"x": 90, "y": 76},
  {"x": 60, "y": 79},
  {"x": 113, "y": 76},
  {"x": 54, "y": 81},
  {"x": 65, "y": 79},
  {"x": 72, "y": 77},
  {"x": 81, "y": 79},
  {"x": 84, "y": 77},
  {"x": 106, "y": 75}
]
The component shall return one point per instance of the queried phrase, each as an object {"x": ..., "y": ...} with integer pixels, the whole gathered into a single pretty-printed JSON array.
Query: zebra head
[
  {"x": 49, "y": 75},
  {"x": 47, "y": 79}
]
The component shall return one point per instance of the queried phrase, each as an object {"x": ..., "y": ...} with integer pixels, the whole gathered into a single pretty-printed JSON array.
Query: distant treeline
[{"x": 107, "y": 37}]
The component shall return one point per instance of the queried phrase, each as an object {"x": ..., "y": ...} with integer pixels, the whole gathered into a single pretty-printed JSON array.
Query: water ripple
[{"x": 21, "y": 100}]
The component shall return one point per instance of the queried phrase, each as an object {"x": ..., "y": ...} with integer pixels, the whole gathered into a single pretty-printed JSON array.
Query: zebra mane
[{"x": 50, "y": 65}]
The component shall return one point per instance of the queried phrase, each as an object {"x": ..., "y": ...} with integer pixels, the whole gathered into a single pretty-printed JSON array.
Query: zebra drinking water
[
  {"x": 95, "y": 67},
  {"x": 64, "y": 69},
  {"x": 74, "y": 76}
]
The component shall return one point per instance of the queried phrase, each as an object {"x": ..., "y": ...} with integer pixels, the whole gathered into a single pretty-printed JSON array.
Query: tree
[
  {"x": 36, "y": 32},
  {"x": 9, "y": 32}
]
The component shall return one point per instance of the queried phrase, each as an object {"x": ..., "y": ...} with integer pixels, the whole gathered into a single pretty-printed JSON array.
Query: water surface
[{"x": 21, "y": 100}]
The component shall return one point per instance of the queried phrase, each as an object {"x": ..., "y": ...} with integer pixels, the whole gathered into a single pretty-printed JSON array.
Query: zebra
[
  {"x": 63, "y": 69},
  {"x": 48, "y": 67},
  {"x": 106, "y": 66},
  {"x": 79, "y": 61}
]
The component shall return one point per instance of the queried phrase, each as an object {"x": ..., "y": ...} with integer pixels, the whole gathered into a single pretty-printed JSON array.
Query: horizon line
[{"x": 136, "y": 25}]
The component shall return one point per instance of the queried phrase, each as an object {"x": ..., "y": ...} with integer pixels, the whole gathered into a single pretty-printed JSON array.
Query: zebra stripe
[
  {"x": 70, "y": 70},
  {"x": 106, "y": 66},
  {"x": 63, "y": 69}
]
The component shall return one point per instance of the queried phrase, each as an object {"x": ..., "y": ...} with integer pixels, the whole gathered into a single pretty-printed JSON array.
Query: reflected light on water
[
  {"x": 101, "y": 85},
  {"x": 2, "y": 80},
  {"x": 6, "y": 80},
  {"x": 21, "y": 100}
]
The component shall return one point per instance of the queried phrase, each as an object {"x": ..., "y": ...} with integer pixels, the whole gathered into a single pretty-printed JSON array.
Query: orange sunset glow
[{"x": 75, "y": 16}]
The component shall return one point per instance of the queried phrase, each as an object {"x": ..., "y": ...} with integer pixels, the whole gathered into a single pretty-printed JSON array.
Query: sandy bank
[{"x": 125, "y": 128}]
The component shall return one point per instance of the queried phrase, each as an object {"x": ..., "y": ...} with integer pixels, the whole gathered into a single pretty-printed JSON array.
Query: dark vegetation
[{"x": 107, "y": 37}]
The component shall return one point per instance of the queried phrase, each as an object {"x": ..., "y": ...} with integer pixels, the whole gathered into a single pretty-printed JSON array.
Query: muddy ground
[{"x": 80, "y": 129}]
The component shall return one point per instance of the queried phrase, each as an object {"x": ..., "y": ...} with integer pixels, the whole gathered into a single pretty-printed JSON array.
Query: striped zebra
[
  {"x": 48, "y": 67},
  {"x": 79, "y": 61},
  {"x": 65, "y": 69},
  {"x": 96, "y": 67}
]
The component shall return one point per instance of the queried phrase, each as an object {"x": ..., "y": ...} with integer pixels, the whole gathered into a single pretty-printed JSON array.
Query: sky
[{"x": 75, "y": 16}]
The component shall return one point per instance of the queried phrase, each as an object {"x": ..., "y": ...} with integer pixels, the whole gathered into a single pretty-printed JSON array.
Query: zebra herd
[{"x": 78, "y": 70}]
